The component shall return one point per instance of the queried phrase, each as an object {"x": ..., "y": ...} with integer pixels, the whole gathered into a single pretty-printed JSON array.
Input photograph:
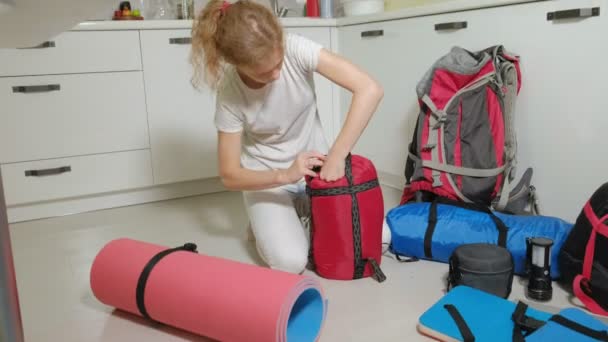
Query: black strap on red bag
[{"x": 352, "y": 190}]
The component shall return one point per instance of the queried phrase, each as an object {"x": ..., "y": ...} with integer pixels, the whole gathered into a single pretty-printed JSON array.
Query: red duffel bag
[{"x": 346, "y": 223}]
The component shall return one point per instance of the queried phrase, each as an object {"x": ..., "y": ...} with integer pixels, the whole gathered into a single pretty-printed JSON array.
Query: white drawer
[
  {"x": 75, "y": 52},
  {"x": 69, "y": 177},
  {"x": 71, "y": 115}
]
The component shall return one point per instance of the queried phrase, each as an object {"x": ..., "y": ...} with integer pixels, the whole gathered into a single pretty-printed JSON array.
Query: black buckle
[
  {"x": 191, "y": 247},
  {"x": 398, "y": 257},
  {"x": 526, "y": 323}
]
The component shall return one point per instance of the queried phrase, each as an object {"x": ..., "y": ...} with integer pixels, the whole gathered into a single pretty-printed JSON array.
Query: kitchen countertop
[
  {"x": 444, "y": 7},
  {"x": 185, "y": 24}
]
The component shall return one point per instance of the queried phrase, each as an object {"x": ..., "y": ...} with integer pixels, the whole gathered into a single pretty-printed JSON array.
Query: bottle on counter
[
  {"x": 185, "y": 9},
  {"x": 326, "y": 8},
  {"x": 312, "y": 8}
]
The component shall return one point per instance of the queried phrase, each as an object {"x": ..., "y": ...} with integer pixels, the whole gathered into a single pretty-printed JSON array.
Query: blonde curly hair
[{"x": 242, "y": 34}]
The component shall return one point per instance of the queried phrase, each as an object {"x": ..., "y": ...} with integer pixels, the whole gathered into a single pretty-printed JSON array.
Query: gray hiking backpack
[{"x": 464, "y": 146}]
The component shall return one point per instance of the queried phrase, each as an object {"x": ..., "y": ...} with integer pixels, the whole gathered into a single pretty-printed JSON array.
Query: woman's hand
[
  {"x": 333, "y": 168},
  {"x": 303, "y": 166}
]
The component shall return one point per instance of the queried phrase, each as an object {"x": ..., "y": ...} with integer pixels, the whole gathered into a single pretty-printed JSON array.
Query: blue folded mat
[
  {"x": 553, "y": 331},
  {"x": 488, "y": 316},
  {"x": 456, "y": 226},
  {"x": 485, "y": 317}
]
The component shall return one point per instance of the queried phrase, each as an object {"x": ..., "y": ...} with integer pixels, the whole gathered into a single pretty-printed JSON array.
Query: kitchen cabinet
[
  {"x": 54, "y": 116},
  {"x": 92, "y": 118},
  {"x": 560, "y": 116},
  {"x": 127, "y": 96},
  {"x": 391, "y": 53},
  {"x": 183, "y": 138},
  {"x": 398, "y": 54},
  {"x": 75, "y": 52},
  {"x": 559, "y": 119},
  {"x": 378, "y": 49},
  {"x": 51, "y": 179}
]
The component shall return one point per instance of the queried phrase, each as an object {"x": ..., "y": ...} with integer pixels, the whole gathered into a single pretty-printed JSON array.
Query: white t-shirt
[{"x": 279, "y": 120}]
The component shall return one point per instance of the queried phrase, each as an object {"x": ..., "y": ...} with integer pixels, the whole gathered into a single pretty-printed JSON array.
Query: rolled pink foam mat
[{"x": 214, "y": 297}]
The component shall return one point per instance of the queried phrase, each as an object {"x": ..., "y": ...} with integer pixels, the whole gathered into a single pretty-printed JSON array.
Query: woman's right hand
[{"x": 303, "y": 166}]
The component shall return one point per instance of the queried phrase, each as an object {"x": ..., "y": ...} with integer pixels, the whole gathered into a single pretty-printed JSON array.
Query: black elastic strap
[
  {"x": 600, "y": 335},
  {"x": 523, "y": 322},
  {"x": 398, "y": 257},
  {"x": 453, "y": 274},
  {"x": 430, "y": 230},
  {"x": 311, "y": 256},
  {"x": 378, "y": 274},
  {"x": 359, "y": 262},
  {"x": 466, "y": 333},
  {"x": 343, "y": 190},
  {"x": 500, "y": 226},
  {"x": 145, "y": 274}
]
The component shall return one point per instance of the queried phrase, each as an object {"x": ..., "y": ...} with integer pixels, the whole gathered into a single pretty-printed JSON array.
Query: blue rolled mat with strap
[{"x": 432, "y": 231}]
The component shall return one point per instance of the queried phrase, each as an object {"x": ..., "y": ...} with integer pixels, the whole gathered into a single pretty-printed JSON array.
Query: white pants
[
  {"x": 281, "y": 239},
  {"x": 274, "y": 215}
]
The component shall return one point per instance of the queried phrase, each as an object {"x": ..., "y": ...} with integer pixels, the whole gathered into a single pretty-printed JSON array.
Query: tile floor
[{"x": 53, "y": 259}]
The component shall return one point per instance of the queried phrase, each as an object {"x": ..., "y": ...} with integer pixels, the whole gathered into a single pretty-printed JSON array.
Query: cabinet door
[
  {"x": 183, "y": 137},
  {"x": 560, "y": 116},
  {"x": 398, "y": 54},
  {"x": 377, "y": 49},
  {"x": 323, "y": 87},
  {"x": 57, "y": 116}
]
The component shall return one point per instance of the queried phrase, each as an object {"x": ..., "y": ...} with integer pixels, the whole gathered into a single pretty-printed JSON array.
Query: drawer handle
[
  {"x": 574, "y": 13},
  {"x": 457, "y": 25},
  {"x": 45, "y": 45},
  {"x": 36, "y": 89},
  {"x": 48, "y": 172},
  {"x": 180, "y": 41},
  {"x": 372, "y": 33}
]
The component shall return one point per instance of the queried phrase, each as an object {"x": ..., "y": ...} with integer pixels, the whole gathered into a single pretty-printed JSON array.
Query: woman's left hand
[{"x": 333, "y": 168}]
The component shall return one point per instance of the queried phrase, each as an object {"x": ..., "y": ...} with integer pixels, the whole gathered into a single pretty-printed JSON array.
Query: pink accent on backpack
[
  {"x": 582, "y": 280},
  {"x": 464, "y": 145},
  {"x": 583, "y": 259}
]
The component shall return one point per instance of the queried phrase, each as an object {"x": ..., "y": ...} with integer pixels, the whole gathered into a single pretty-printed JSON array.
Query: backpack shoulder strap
[{"x": 509, "y": 83}]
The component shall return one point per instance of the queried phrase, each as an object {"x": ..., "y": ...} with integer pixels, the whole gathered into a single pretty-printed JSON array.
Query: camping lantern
[{"x": 539, "y": 268}]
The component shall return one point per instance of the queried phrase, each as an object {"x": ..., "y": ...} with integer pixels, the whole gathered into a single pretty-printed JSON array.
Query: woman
[{"x": 269, "y": 133}]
